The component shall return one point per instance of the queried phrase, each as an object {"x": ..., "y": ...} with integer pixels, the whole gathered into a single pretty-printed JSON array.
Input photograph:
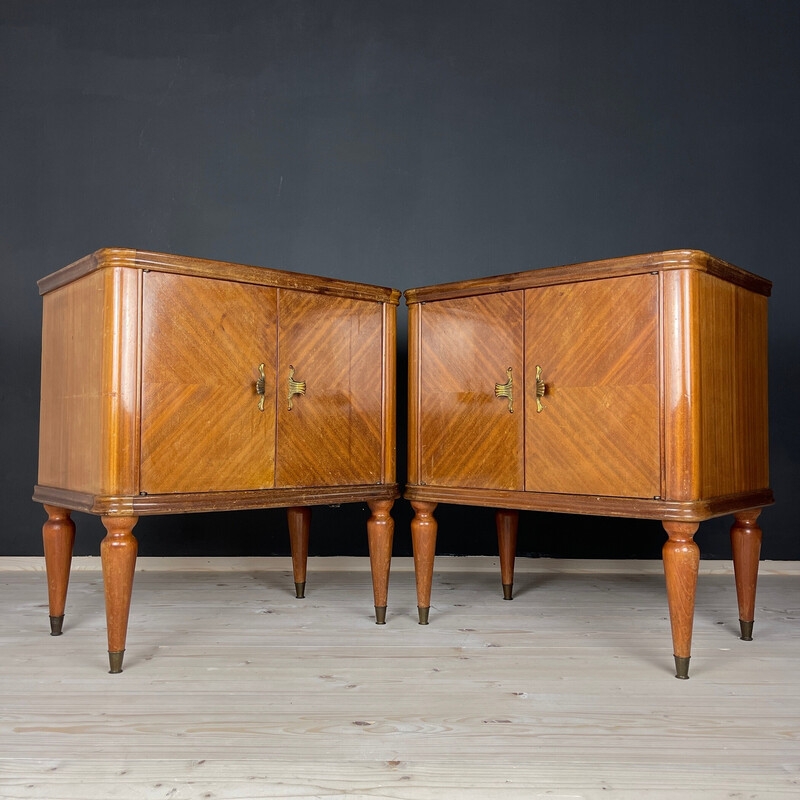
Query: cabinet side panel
[
  {"x": 70, "y": 424},
  {"x": 120, "y": 428},
  {"x": 680, "y": 388},
  {"x": 202, "y": 343},
  {"x": 469, "y": 436},
  {"x": 732, "y": 342}
]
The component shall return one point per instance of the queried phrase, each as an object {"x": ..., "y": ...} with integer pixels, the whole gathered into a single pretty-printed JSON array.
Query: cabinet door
[
  {"x": 332, "y": 434},
  {"x": 597, "y": 345},
  {"x": 202, "y": 343},
  {"x": 467, "y": 435}
]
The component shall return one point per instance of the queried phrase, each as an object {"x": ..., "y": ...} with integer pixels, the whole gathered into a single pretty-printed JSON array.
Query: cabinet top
[
  {"x": 108, "y": 257},
  {"x": 594, "y": 270}
]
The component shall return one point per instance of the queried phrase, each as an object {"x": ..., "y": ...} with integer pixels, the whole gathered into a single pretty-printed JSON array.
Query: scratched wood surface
[{"x": 235, "y": 689}]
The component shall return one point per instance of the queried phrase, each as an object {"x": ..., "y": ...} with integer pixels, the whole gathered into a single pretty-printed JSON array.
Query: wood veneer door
[
  {"x": 597, "y": 345},
  {"x": 468, "y": 436},
  {"x": 332, "y": 434},
  {"x": 202, "y": 343}
]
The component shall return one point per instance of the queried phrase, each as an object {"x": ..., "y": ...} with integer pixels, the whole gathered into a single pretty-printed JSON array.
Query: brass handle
[
  {"x": 260, "y": 387},
  {"x": 506, "y": 390},
  {"x": 540, "y": 390},
  {"x": 295, "y": 387}
]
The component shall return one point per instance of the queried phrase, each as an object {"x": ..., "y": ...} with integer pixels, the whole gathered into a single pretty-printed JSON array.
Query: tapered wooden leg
[
  {"x": 118, "y": 554},
  {"x": 423, "y": 541},
  {"x": 299, "y": 518},
  {"x": 681, "y": 562},
  {"x": 380, "y": 533},
  {"x": 746, "y": 546},
  {"x": 507, "y": 523},
  {"x": 58, "y": 534}
]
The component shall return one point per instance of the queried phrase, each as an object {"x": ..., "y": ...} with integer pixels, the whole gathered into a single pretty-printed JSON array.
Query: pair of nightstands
[{"x": 629, "y": 387}]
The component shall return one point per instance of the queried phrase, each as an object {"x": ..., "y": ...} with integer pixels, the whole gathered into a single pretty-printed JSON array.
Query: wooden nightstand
[
  {"x": 632, "y": 387},
  {"x": 174, "y": 384}
]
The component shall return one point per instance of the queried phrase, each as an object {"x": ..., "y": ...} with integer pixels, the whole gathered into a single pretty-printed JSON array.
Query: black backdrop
[{"x": 403, "y": 144}]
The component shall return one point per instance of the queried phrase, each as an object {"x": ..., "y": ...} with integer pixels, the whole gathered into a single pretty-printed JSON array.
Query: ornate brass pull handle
[
  {"x": 295, "y": 387},
  {"x": 540, "y": 390},
  {"x": 506, "y": 390},
  {"x": 260, "y": 387}
]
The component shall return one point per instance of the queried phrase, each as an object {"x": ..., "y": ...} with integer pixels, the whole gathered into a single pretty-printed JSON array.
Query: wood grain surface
[
  {"x": 597, "y": 345},
  {"x": 72, "y": 403},
  {"x": 467, "y": 436},
  {"x": 332, "y": 435},
  {"x": 414, "y": 398},
  {"x": 507, "y": 523},
  {"x": 423, "y": 538},
  {"x": 640, "y": 508},
  {"x": 118, "y": 555},
  {"x": 58, "y": 535},
  {"x": 214, "y": 501},
  {"x": 202, "y": 343},
  {"x": 655, "y": 401},
  {"x": 732, "y": 387},
  {"x": 645, "y": 395},
  {"x": 298, "y": 519},
  {"x": 89, "y": 390},
  {"x": 380, "y": 533},
  {"x": 715, "y": 387},
  {"x": 112, "y": 257},
  {"x": 389, "y": 394},
  {"x": 746, "y": 546},
  {"x": 666, "y": 261},
  {"x": 681, "y": 560}
]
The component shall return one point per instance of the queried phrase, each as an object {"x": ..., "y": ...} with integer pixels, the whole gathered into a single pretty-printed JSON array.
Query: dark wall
[{"x": 398, "y": 143}]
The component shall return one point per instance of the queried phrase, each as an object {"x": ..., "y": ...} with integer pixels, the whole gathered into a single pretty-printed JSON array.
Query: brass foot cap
[
  {"x": 747, "y": 630},
  {"x": 423, "y": 614},
  {"x": 300, "y": 589},
  {"x": 380, "y": 615},
  {"x": 682, "y": 667},
  {"x": 56, "y": 623},
  {"x": 115, "y": 661},
  {"x": 508, "y": 591}
]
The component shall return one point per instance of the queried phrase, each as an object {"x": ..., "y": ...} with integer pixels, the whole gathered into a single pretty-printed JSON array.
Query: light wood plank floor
[{"x": 234, "y": 689}]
